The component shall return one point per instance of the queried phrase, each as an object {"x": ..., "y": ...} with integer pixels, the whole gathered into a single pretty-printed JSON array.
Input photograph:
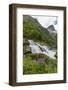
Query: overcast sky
[{"x": 45, "y": 21}]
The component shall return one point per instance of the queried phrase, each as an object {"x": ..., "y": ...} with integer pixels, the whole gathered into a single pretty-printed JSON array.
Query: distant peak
[{"x": 51, "y": 28}]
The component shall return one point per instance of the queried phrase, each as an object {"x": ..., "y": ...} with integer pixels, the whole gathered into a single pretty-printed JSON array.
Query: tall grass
[{"x": 31, "y": 66}]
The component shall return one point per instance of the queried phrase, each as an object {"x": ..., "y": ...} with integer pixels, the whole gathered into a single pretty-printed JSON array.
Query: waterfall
[
  {"x": 37, "y": 48},
  {"x": 34, "y": 48}
]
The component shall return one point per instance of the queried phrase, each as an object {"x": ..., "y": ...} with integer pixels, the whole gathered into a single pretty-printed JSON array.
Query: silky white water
[{"x": 37, "y": 48}]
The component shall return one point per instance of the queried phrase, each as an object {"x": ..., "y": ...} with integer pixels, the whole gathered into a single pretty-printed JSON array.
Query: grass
[
  {"x": 31, "y": 66},
  {"x": 34, "y": 31}
]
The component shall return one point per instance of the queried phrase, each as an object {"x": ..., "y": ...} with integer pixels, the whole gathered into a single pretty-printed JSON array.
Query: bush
[
  {"x": 31, "y": 66},
  {"x": 38, "y": 55}
]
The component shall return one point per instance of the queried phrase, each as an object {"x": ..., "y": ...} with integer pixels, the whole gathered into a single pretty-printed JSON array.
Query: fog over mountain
[
  {"x": 39, "y": 45},
  {"x": 51, "y": 29},
  {"x": 35, "y": 31},
  {"x": 46, "y": 21}
]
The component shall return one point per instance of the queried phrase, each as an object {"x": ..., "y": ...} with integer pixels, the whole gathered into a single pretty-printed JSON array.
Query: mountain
[
  {"x": 51, "y": 29},
  {"x": 32, "y": 29}
]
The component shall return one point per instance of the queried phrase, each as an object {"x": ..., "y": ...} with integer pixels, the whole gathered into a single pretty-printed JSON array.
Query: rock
[{"x": 41, "y": 60}]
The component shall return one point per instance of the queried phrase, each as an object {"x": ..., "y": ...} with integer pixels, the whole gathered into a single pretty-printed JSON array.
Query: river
[{"x": 37, "y": 48}]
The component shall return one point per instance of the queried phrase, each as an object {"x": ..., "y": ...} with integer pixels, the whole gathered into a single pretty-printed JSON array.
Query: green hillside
[
  {"x": 33, "y": 30},
  {"x": 38, "y": 63}
]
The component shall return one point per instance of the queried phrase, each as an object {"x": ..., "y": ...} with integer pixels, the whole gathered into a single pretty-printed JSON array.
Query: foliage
[
  {"x": 33, "y": 30},
  {"x": 25, "y": 48},
  {"x": 31, "y": 66},
  {"x": 37, "y": 55},
  {"x": 56, "y": 55}
]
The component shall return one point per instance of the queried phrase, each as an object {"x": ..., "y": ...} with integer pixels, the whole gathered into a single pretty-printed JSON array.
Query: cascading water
[
  {"x": 34, "y": 48},
  {"x": 46, "y": 51},
  {"x": 37, "y": 48}
]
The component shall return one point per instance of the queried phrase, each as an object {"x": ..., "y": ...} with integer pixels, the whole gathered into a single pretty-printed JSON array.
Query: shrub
[
  {"x": 31, "y": 66},
  {"x": 38, "y": 55}
]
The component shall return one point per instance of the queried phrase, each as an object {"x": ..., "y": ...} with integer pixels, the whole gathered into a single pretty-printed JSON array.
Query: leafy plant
[
  {"x": 31, "y": 66},
  {"x": 33, "y": 30}
]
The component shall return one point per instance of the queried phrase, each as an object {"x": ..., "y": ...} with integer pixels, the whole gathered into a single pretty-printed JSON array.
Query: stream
[{"x": 37, "y": 48}]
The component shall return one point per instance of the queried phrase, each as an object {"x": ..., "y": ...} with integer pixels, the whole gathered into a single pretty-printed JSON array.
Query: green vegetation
[
  {"x": 56, "y": 55},
  {"x": 33, "y": 30},
  {"x": 36, "y": 56},
  {"x": 37, "y": 63},
  {"x": 31, "y": 66}
]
